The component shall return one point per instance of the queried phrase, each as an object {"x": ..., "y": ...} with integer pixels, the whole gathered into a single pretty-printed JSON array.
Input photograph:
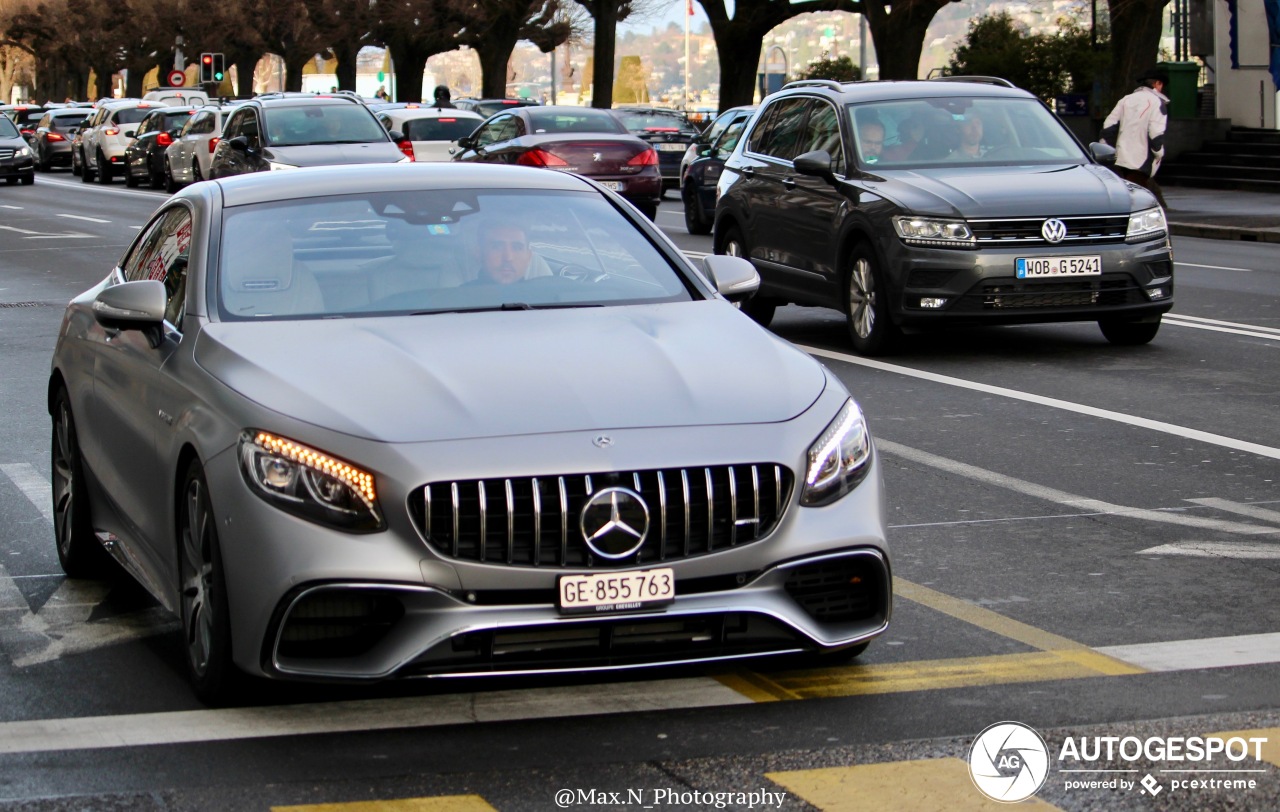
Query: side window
[
  {"x": 385, "y": 122},
  {"x": 497, "y": 130},
  {"x": 161, "y": 253},
  {"x": 233, "y": 126},
  {"x": 783, "y": 131},
  {"x": 760, "y": 132},
  {"x": 823, "y": 132},
  {"x": 730, "y": 135},
  {"x": 249, "y": 125}
]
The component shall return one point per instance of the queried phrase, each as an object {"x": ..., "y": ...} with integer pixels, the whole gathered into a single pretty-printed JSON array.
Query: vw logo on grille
[
  {"x": 615, "y": 522},
  {"x": 1053, "y": 230}
]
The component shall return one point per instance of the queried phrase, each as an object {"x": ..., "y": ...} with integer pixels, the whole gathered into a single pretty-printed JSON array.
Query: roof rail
[
  {"x": 984, "y": 80},
  {"x": 830, "y": 84}
]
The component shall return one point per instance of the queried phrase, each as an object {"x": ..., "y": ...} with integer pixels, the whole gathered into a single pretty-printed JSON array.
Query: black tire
[
  {"x": 170, "y": 185},
  {"x": 105, "y": 171},
  {"x": 77, "y": 166},
  {"x": 27, "y": 180},
  {"x": 130, "y": 179},
  {"x": 11, "y": 180},
  {"x": 1130, "y": 333},
  {"x": 205, "y": 613},
  {"x": 866, "y": 304},
  {"x": 760, "y": 310},
  {"x": 694, "y": 222},
  {"x": 649, "y": 210},
  {"x": 42, "y": 163},
  {"x": 195, "y": 172},
  {"x": 156, "y": 179},
  {"x": 79, "y": 552}
]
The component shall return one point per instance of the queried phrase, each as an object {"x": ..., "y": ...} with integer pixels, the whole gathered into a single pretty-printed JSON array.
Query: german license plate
[
  {"x": 1044, "y": 267},
  {"x": 672, "y": 147},
  {"x": 612, "y": 185},
  {"x": 616, "y": 591}
]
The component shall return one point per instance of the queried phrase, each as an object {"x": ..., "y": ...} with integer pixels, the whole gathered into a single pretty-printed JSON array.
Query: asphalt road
[{"x": 1086, "y": 540}]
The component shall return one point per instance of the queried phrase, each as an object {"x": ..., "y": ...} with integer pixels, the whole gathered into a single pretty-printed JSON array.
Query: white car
[
  {"x": 103, "y": 140},
  {"x": 433, "y": 131},
  {"x": 186, "y": 160}
]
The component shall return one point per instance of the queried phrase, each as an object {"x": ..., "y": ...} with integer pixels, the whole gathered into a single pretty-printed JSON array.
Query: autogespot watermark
[
  {"x": 1010, "y": 762},
  {"x": 649, "y": 798}
]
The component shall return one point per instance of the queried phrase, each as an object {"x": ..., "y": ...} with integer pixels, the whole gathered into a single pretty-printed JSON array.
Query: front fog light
[
  {"x": 838, "y": 459},
  {"x": 309, "y": 483},
  {"x": 932, "y": 302},
  {"x": 1156, "y": 293}
]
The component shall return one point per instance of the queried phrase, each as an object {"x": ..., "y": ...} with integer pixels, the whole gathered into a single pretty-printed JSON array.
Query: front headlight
[
  {"x": 24, "y": 152},
  {"x": 275, "y": 166},
  {"x": 309, "y": 483},
  {"x": 838, "y": 459},
  {"x": 1144, "y": 225},
  {"x": 934, "y": 232}
]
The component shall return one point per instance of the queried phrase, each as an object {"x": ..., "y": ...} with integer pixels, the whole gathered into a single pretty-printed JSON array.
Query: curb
[{"x": 1210, "y": 232}]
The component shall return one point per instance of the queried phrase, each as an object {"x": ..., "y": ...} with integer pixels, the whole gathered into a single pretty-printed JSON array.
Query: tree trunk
[
  {"x": 246, "y": 64},
  {"x": 738, "y": 66},
  {"x": 409, "y": 64},
  {"x": 293, "y": 65},
  {"x": 898, "y": 35},
  {"x": 605, "y": 48},
  {"x": 1135, "y": 42},
  {"x": 345, "y": 53},
  {"x": 494, "y": 51},
  {"x": 133, "y": 80}
]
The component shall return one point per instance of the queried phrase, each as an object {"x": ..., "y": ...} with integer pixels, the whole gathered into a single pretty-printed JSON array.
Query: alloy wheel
[
  {"x": 197, "y": 577},
  {"x": 862, "y": 298}
]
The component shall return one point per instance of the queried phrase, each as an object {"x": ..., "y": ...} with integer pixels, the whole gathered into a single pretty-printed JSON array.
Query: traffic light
[
  {"x": 219, "y": 68},
  {"x": 206, "y": 67}
]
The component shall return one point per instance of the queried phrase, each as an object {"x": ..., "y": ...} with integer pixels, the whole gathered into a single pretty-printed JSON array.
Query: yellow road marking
[
  {"x": 932, "y": 785},
  {"x": 444, "y": 803},
  {"x": 1270, "y": 748}
]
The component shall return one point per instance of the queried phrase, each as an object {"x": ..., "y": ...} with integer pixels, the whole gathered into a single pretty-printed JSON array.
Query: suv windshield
[
  {"x": 960, "y": 130},
  {"x": 322, "y": 124},
  {"x": 7, "y": 130},
  {"x": 435, "y": 251}
]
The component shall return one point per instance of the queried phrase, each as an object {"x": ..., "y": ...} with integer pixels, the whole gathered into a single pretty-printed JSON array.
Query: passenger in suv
[
  {"x": 291, "y": 130},
  {"x": 106, "y": 136},
  {"x": 1016, "y": 224}
]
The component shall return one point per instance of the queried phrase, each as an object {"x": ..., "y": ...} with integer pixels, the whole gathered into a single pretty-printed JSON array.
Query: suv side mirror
[
  {"x": 466, "y": 142},
  {"x": 1103, "y": 153},
  {"x": 130, "y": 133},
  {"x": 241, "y": 143},
  {"x": 816, "y": 163}
]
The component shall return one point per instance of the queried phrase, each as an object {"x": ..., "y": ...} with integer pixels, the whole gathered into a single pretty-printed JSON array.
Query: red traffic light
[{"x": 208, "y": 59}]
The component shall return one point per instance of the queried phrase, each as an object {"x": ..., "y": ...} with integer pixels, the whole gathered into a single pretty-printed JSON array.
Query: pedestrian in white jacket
[{"x": 1136, "y": 128}]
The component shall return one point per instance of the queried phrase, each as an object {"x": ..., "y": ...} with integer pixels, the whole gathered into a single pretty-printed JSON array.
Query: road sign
[{"x": 177, "y": 78}]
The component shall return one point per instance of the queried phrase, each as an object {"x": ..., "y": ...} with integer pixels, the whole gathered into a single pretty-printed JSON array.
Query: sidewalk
[{"x": 1221, "y": 214}]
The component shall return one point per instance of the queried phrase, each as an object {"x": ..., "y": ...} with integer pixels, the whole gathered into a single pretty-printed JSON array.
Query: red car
[{"x": 589, "y": 142}]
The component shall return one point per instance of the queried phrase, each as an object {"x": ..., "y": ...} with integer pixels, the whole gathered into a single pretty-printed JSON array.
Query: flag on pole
[{"x": 690, "y": 5}]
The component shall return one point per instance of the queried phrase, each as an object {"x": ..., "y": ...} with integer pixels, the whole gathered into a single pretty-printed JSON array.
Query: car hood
[
  {"x": 377, "y": 152},
  {"x": 469, "y": 375},
  {"x": 1013, "y": 191}
]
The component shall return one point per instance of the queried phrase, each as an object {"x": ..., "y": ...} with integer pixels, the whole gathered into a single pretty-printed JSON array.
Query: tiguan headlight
[
  {"x": 838, "y": 459},
  {"x": 309, "y": 483},
  {"x": 1144, "y": 225},
  {"x": 934, "y": 232}
]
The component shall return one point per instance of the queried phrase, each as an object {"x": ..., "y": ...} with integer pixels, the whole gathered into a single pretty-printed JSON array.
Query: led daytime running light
[{"x": 355, "y": 479}]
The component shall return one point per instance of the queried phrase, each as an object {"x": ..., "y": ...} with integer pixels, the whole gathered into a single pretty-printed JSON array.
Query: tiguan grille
[
  {"x": 535, "y": 521},
  {"x": 1025, "y": 231}
]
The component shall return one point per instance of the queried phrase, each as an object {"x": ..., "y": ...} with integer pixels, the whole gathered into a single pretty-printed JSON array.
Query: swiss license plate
[
  {"x": 612, "y": 185},
  {"x": 672, "y": 147},
  {"x": 1043, "y": 267},
  {"x": 616, "y": 591}
]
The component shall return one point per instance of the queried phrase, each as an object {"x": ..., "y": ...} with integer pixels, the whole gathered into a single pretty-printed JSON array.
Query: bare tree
[
  {"x": 1135, "y": 41},
  {"x": 347, "y": 26},
  {"x": 416, "y": 30},
  {"x": 503, "y": 23},
  {"x": 897, "y": 29},
  {"x": 286, "y": 30}
]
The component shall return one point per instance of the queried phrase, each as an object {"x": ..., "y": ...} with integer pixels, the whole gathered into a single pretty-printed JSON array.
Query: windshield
[
  {"x": 960, "y": 130},
  {"x": 655, "y": 121},
  {"x": 323, "y": 124},
  {"x": 584, "y": 120},
  {"x": 426, "y": 252},
  {"x": 439, "y": 129},
  {"x": 7, "y": 130}
]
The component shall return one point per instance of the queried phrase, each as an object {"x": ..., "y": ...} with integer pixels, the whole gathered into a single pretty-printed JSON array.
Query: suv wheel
[
  {"x": 86, "y": 172},
  {"x": 104, "y": 169},
  {"x": 77, "y": 165},
  {"x": 130, "y": 179},
  {"x": 867, "y": 304},
  {"x": 170, "y": 185},
  {"x": 694, "y": 222},
  {"x": 759, "y": 308},
  {"x": 1130, "y": 333}
]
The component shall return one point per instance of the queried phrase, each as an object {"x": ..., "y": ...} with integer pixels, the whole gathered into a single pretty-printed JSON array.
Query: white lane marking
[
  {"x": 34, "y": 486},
  {"x": 1252, "y": 511},
  {"x": 1177, "y": 322},
  {"x": 20, "y": 230},
  {"x": 1063, "y": 497},
  {"x": 1213, "y": 267},
  {"x": 136, "y": 730},
  {"x": 82, "y": 217},
  {"x": 6, "y": 206},
  {"x": 93, "y": 188},
  {"x": 1055, "y": 403},
  {"x": 1208, "y": 652},
  {"x": 1220, "y": 323},
  {"x": 1217, "y": 549}
]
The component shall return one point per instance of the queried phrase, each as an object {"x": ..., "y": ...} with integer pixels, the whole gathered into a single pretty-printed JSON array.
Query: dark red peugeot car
[{"x": 582, "y": 140}]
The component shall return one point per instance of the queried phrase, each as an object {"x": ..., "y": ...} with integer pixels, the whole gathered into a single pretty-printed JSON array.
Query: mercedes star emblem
[
  {"x": 615, "y": 522},
  {"x": 1054, "y": 230},
  {"x": 602, "y": 441}
]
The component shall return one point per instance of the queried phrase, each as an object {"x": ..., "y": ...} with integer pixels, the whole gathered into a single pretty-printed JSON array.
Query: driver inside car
[{"x": 506, "y": 255}]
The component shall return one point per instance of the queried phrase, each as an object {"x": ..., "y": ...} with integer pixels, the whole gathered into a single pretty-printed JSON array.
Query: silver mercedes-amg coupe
[{"x": 359, "y": 423}]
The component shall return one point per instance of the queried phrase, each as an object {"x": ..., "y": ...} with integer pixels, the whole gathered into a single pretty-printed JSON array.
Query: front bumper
[
  {"x": 938, "y": 285},
  {"x": 17, "y": 167}
]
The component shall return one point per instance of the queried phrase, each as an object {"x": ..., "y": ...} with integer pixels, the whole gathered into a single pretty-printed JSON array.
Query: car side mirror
[
  {"x": 130, "y": 133},
  {"x": 240, "y": 143},
  {"x": 817, "y": 164},
  {"x": 735, "y": 278},
  {"x": 1104, "y": 154},
  {"x": 466, "y": 142},
  {"x": 133, "y": 306},
  {"x": 705, "y": 153},
  {"x": 396, "y": 135}
]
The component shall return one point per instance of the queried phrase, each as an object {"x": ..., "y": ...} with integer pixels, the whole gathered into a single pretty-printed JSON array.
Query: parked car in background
[
  {"x": 699, "y": 180},
  {"x": 105, "y": 137},
  {"x": 590, "y": 142},
  {"x": 16, "y": 160},
  {"x": 144, "y": 158},
  {"x": 278, "y": 131},
  {"x": 187, "y": 159},
  {"x": 647, "y": 503},
  {"x": 26, "y": 116},
  {"x": 51, "y": 139},
  {"x": 433, "y": 131},
  {"x": 488, "y": 107},
  {"x": 996, "y": 215},
  {"x": 668, "y": 131}
]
